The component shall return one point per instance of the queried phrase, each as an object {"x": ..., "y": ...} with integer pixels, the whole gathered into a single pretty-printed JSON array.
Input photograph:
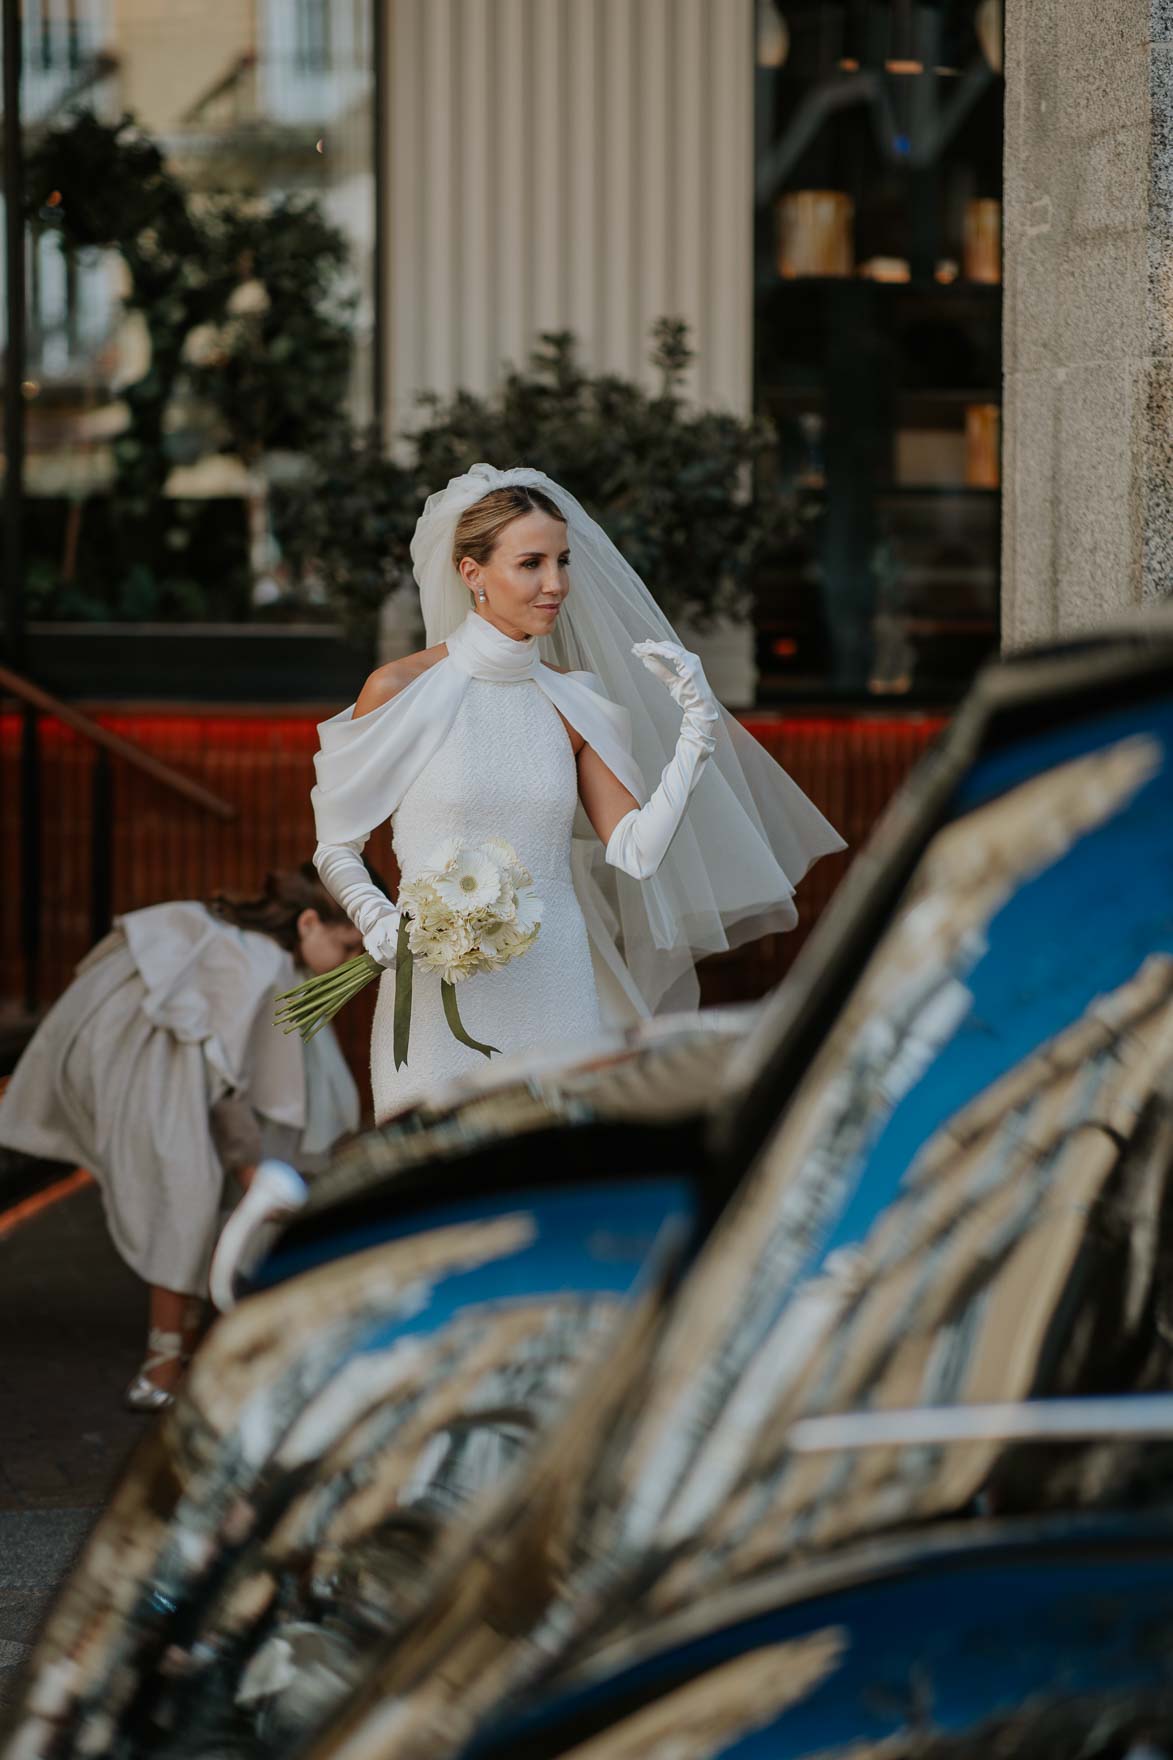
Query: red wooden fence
[{"x": 162, "y": 847}]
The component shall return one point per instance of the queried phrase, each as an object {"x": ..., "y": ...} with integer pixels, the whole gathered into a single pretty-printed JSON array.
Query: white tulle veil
[{"x": 750, "y": 833}]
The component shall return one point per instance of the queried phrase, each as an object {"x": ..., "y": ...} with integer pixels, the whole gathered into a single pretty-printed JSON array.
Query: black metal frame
[
  {"x": 14, "y": 617},
  {"x": 380, "y": 37},
  {"x": 14, "y": 354}
]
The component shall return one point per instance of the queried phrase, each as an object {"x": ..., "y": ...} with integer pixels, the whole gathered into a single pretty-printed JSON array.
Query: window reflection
[
  {"x": 878, "y": 131},
  {"x": 967, "y": 1201},
  {"x": 252, "y": 108}
]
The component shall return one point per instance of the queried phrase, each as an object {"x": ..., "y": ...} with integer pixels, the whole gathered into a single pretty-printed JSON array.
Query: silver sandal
[{"x": 143, "y": 1395}]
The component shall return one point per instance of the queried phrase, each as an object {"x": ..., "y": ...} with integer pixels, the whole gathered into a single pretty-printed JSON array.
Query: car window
[{"x": 966, "y": 1199}]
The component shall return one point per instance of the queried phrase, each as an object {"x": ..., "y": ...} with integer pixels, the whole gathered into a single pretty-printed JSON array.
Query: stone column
[{"x": 1088, "y": 417}]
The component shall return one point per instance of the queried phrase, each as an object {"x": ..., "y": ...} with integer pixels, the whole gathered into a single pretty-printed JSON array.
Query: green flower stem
[
  {"x": 338, "y": 979},
  {"x": 308, "y": 1007}
]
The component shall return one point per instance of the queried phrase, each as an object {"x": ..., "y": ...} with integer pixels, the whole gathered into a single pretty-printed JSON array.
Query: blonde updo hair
[{"x": 480, "y": 525}]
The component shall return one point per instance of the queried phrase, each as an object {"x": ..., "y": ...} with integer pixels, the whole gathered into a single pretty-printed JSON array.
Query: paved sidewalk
[
  {"x": 37, "y": 1547},
  {"x": 72, "y": 1326}
]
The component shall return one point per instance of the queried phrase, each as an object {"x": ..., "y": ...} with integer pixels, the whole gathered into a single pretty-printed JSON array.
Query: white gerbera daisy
[
  {"x": 446, "y": 855},
  {"x": 418, "y": 897},
  {"x": 469, "y": 881},
  {"x": 463, "y": 966},
  {"x": 438, "y": 940},
  {"x": 504, "y": 907},
  {"x": 507, "y": 942},
  {"x": 506, "y": 857},
  {"x": 497, "y": 941},
  {"x": 529, "y": 910}
]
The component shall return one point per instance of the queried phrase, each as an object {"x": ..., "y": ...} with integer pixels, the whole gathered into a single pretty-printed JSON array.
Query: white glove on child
[
  {"x": 275, "y": 1191},
  {"x": 343, "y": 873},
  {"x": 642, "y": 838}
]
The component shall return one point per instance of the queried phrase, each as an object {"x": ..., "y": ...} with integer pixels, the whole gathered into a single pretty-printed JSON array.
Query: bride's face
[{"x": 526, "y": 579}]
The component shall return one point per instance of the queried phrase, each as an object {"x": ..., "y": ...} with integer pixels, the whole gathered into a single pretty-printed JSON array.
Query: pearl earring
[{"x": 481, "y": 594}]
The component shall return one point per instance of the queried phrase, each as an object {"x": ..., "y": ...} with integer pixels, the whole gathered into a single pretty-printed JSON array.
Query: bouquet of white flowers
[{"x": 473, "y": 910}]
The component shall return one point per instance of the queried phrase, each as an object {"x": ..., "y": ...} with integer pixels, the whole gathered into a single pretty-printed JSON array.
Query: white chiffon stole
[{"x": 365, "y": 767}]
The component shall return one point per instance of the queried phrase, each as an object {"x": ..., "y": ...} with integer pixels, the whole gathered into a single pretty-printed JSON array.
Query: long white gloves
[
  {"x": 343, "y": 873},
  {"x": 642, "y": 838}
]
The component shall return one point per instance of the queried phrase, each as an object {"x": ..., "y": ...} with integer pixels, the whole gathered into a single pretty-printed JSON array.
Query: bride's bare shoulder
[{"x": 387, "y": 681}]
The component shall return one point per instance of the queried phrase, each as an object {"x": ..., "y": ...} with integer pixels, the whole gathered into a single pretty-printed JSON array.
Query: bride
[{"x": 551, "y": 687}]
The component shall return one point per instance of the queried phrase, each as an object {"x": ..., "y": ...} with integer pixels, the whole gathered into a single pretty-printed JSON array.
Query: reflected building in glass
[
  {"x": 877, "y": 340},
  {"x": 814, "y": 186},
  {"x": 266, "y": 100}
]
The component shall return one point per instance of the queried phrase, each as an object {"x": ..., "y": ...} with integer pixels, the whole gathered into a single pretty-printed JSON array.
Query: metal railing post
[
  {"x": 14, "y": 344},
  {"x": 101, "y": 844},
  {"x": 30, "y": 855}
]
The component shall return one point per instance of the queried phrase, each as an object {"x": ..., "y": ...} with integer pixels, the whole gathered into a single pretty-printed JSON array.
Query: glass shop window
[
  {"x": 262, "y": 111},
  {"x": 877, "y": 345}
]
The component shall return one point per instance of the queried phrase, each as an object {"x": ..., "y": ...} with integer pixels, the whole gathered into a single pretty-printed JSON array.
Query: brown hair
[
  {"x": 275, "y": 910},
  {"x": 480, "y": 525}
]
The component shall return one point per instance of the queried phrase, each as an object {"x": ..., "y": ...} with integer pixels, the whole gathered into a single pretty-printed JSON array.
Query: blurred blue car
[{"x": 791, "y": 1385}]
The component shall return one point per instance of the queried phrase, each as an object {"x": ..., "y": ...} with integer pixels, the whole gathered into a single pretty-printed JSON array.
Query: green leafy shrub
[
  {"x": 272, "y": 372},
  {"x": 346, "y": 535},
  {"x": 669, "y": 483}
]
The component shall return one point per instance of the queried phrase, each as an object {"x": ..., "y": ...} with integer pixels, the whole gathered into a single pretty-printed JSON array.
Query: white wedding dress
[
  {"x": 477, "y": 746},
  {"x": 505, "y": 769}
]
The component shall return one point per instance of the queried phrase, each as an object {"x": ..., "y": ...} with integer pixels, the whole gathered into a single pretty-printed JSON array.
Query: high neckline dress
[{"x": 506, "y": 768}]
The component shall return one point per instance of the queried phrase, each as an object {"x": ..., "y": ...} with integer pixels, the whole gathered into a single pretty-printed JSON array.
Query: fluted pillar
[{"x": 567, "y": 164}]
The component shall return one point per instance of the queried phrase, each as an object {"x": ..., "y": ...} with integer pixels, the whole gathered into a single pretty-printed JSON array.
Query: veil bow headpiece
[{"x": 750, "y": 833}]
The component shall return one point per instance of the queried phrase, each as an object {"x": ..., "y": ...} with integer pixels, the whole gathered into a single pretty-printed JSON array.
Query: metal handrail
[{"x": 14, "y": 685}]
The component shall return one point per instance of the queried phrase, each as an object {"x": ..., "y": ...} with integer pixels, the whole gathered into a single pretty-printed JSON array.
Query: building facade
[
  {"x": 812, "y": 186},
  {"x": 570, "y": 164}
]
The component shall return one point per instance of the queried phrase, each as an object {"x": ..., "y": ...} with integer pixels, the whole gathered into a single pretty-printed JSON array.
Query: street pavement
[{"x": 72, "y": 1329}]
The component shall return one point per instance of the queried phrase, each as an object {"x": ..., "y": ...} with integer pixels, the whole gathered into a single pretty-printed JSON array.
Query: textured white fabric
[
  {"x": 365, "y": 766},
  {"x": 505, "y": 769},
  {"x": 750, "y": 833},
  {"x": 172, "y": 1011}
]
